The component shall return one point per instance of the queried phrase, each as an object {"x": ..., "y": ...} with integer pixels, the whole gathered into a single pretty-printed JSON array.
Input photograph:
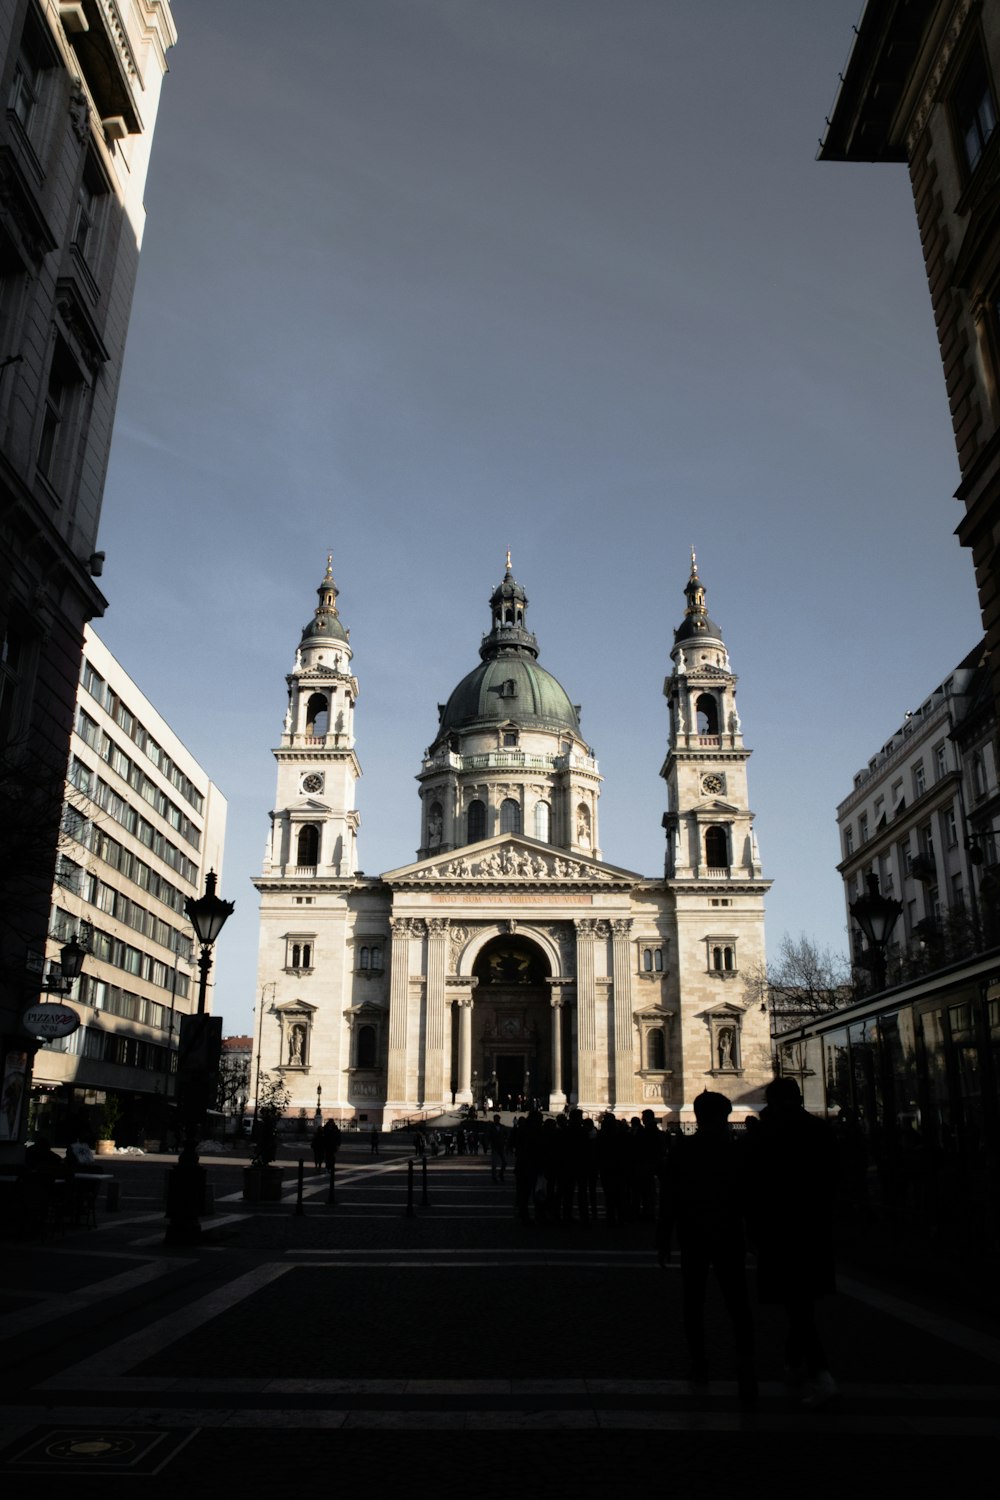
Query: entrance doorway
[{"x": 512, "y": 1024}]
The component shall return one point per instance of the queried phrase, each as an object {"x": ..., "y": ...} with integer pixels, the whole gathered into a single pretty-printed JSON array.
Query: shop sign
[{"x": 49, "y": 1021}]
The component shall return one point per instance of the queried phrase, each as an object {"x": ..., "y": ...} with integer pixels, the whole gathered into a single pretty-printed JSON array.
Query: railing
[{"x": 715, "y": 872}]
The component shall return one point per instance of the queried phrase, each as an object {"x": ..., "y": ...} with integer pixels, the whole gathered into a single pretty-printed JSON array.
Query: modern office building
[
  {"x": 142, "y": 826},
  {"x": 511, "y": 962},
  {"x": 79, "y": 88}
]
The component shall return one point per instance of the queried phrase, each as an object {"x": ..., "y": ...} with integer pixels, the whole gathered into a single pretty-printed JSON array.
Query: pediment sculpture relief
[{"x": 512, "y": 864}]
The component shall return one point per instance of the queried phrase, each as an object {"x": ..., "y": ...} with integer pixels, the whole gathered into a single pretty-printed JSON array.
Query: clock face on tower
[
  {"x": 713, "y": 784},
  {"x": 313, "y": 782}
]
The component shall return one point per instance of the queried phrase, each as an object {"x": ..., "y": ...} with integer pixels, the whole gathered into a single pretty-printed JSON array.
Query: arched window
[
  {"x": 656, "y": 1052},
  {"x": 477, "y": 821},
  {"x": 717, "y": 959},
  {"x": 707, "y": 711},
  {"x": 308, "y": 845},
  {"x": 366, "y": 958},
  {"x": 542, "y": 820},
  {"x": 508, "y": 616},
  {"x": 727, "y": 959},
  {"x": 510, "y": 816},
  {"x": 658, "y": 960},
  {"x": 317, "y": 714},
  {"x": 716, "y": 848},
  {"x": 647, "y": 960},
  {"x": 296, "y": 956},
  {"x": 366, "y": 1047}
]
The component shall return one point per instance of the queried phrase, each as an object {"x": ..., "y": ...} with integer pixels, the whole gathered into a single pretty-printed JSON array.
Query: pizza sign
[{"x": 48, "y": 1021}]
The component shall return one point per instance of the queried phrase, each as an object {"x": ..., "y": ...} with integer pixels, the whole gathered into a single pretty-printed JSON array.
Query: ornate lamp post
[
  {"x": 197, "y": 1065},
  {"x": 208, "y": 915},
  {"x": 876, "y": 915}
]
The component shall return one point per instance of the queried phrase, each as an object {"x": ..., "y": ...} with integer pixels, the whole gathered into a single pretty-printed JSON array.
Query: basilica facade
[{"x": 510, "y": 960}]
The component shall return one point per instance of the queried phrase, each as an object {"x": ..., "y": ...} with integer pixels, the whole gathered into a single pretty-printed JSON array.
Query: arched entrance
[{"x": 512, "y": 1027}]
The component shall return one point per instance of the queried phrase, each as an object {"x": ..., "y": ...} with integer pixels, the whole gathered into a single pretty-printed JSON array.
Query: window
[
  {"x": 656, "y": 1052},
  {"x": 542, "y": 822},
  {"x": 950, "y": 827},
  {"x": 707, "y": 711},
  {"x": 299, "y": 953},
  {"x": 919, "y": 779},
  {"x": 716, "y": 848},
  {"x": 55, "y": 444},
  {"x": 308, "y": 845},
  {"x": 510, "y": 739},
  {"x": 510, "y": 816},
  {"x": 366, "y": 1053},
  {"x": 317, "y": 715},
  {"x": 848, "y": 838},
  {"x": 11, "y": 652},
  {"x": 974, "y": 110},
  {"x": 940, "y": 760},
  {"x": 476, "y": 821},
  {"x": 863, "y": 828},
  {"x": 647, "y": 960}
]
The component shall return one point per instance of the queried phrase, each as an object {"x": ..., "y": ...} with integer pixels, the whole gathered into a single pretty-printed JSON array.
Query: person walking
[{"x": 705, "y": 1202}]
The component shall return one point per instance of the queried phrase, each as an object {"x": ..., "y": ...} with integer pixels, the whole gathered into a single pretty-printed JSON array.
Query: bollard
[
  {"x": 409, "y": 1190},
  {"x": 423, "y": 1181},
  {"x": 332, "y": 1195},
  {"x": 299, "y": 1210}
]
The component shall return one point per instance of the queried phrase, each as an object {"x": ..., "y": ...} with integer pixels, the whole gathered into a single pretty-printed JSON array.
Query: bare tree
[{"x": 801, "y": 982}]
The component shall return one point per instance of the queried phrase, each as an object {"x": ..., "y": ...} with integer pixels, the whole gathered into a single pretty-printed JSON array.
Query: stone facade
[
  {"x": 80, "y": 86},
  {"x": 920, "y": 88},
  {"x": 510, "y": 961}
]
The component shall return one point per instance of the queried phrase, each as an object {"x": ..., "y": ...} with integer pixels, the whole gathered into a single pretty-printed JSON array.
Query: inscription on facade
[{"x": 510, "y": 899}]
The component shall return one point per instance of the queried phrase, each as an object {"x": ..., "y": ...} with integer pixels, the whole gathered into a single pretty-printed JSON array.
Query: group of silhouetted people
[{"x": 772, "y": 1191}]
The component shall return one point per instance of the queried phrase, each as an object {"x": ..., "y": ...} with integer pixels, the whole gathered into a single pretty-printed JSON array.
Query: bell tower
[
  {"x": 315, "y": 824},
  {"x": 708, "y": 820}
]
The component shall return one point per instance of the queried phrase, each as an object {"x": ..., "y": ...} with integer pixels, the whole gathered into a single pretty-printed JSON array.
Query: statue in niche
[
  {"x": 727, "y": 1039},
  {"x": 296, "y": 1046},
  {"x": 435, "y": 828}
]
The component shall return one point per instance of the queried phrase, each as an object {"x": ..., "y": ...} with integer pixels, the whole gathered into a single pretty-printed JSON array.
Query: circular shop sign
[{"x": 50, "y": 1021}]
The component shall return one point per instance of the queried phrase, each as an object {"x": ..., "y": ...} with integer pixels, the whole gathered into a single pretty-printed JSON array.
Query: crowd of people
[{"x": 713, "y": 1195}]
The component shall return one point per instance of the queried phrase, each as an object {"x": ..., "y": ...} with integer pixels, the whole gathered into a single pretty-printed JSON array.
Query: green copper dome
[
  {"x": 325, "y": 624},
  {"x": 509, "y": 687},
  {"x": 509, "y": 684}
]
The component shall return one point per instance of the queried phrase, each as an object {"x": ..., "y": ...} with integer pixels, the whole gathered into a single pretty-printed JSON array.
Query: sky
[{"x": 423, "y": 280}]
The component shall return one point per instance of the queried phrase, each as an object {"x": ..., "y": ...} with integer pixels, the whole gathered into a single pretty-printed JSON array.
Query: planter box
[
  {"x": 105, "y": 1148},
  {"x": 262, "y": 1184}
]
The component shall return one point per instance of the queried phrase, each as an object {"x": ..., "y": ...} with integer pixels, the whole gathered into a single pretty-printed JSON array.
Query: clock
[
  {"x": 313, "y": 782},
  {"x": 713, "y": 784}
]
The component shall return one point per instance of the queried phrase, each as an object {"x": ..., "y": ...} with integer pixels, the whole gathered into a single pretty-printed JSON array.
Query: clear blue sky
[{"x": 425, "y": 279}]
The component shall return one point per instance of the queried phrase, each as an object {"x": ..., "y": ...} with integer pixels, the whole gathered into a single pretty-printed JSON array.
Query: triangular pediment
[
  {"x": 310, "y": 805},
  {"x": 715, "y": 805},
  {"x": 510, "y": 858}
]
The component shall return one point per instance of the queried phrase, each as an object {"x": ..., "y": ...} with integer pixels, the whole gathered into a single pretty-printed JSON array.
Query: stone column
[
  {"x": 557, "y": 1098},
  {"x": 437, "y": 1067},
  {"x": 586, "y": 1012},
  {"x": 463, "y": 1094},
  {"x": 623, "y": 1089},
  {"x": 399, "y": 1004}
]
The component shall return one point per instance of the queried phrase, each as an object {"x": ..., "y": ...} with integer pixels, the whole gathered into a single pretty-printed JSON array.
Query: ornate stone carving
[
  {"x": 457, "y": 939},
  {"x": 401, "y": 926},
  {"x": 79, "y": 113},
  {"x": 585, "y": 926},
  {"x": 513, "y": 864},
  {"x": 621, "y": 926},
  {"x": 932, "y": 87},
  {"x": 438, "y": 926}
]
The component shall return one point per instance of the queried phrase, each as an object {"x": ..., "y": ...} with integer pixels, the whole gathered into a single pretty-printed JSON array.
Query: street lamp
[
  {"x": 208, "y": 915},
  {"x": 876, "y": 915}
]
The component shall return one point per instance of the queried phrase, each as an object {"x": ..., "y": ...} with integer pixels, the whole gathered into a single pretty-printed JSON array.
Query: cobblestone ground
[{"x": 455, "y": 1345}]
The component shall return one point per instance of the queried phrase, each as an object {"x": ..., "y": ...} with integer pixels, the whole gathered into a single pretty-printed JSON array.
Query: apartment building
[{"x": 142, "y": 825}]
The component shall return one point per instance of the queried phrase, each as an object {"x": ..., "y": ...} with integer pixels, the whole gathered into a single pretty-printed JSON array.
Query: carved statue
[
  {"x": 296, "y": 1046},
  {"x": 726, "y": 1040},
  {"x": 435, "y": 828}
]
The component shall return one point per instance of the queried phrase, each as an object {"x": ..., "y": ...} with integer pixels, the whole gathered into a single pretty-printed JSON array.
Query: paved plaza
[{"x": 294, "y": 1341}]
